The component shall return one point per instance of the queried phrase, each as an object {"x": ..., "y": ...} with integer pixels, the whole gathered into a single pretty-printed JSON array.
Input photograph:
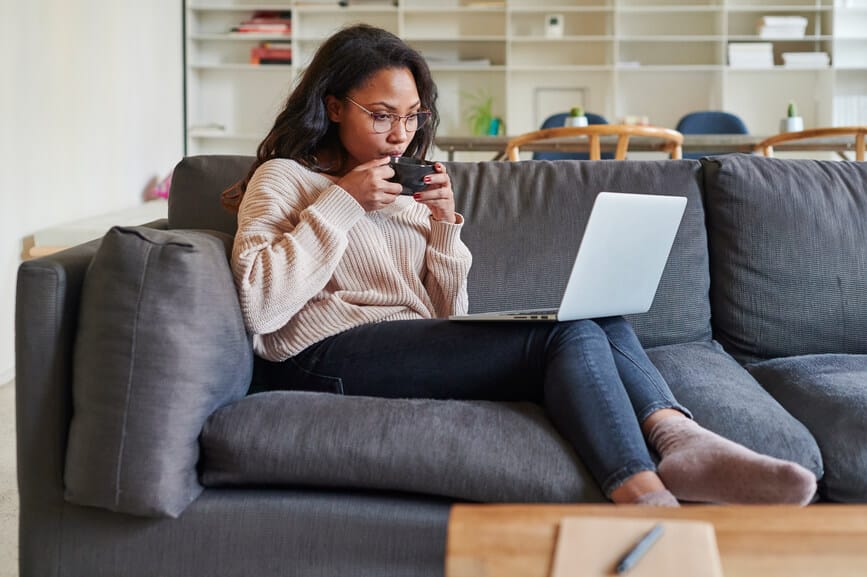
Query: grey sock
[{"x": 699, "y": 465}]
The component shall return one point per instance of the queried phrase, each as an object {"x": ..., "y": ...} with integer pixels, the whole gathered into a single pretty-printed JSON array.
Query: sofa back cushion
[
  {"x": 525, "y": 221},
  {"x": 787, "y": 246},
  {"x": 197, "y": 182},
  {"x": 160, "y": 346}
]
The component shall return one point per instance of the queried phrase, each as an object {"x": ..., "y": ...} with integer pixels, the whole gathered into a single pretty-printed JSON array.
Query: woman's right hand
[{"x": 367, "y": 184}]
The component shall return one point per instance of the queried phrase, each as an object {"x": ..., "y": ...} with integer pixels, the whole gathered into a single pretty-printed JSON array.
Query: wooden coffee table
[{"x": 754, "y": 540}]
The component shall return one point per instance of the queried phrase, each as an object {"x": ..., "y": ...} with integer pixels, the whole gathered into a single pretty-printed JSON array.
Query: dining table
[{"x": 692, "y": 143}]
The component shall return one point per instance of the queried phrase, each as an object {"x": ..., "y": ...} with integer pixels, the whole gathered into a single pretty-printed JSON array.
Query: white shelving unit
[{"x": 653, "y": 58}]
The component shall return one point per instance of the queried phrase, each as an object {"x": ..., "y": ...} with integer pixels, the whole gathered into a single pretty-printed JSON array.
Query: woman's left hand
[{"x": 438, "y": 195}]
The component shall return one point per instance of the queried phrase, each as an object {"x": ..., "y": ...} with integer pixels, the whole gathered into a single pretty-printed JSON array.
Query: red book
[{"x": 263, "y": 55}]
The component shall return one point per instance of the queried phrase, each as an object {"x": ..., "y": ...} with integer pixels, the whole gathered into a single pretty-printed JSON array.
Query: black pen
[{"x": 643, "y": 546}]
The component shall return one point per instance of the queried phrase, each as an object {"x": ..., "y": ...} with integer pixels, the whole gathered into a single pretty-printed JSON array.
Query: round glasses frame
[{"x": 383, "y": 122}]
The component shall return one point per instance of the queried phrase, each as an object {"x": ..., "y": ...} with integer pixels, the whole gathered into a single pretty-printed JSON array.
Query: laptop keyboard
[{"x": 536, "y": 312}]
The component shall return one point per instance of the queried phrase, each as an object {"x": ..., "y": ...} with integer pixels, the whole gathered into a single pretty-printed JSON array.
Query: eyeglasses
[{"x": 385, "y": 121}]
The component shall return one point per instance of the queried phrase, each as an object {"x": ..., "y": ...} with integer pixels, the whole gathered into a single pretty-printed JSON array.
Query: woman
[{"x": 347, "y": 284}]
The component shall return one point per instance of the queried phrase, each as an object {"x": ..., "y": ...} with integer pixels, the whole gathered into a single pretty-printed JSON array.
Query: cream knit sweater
[{"x": 309, "y": 262}]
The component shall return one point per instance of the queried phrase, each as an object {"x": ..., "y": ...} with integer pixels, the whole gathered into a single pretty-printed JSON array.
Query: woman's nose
[{"x": 398, "y": 132}]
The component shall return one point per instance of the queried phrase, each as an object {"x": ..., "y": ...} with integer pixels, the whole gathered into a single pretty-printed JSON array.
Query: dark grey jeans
[{"x": 592, "y": 377}]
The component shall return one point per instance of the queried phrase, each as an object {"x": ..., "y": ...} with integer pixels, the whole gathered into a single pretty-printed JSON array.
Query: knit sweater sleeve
[
  {"x": 448, "y": 263},
  {"x": 292, "y": 233}
]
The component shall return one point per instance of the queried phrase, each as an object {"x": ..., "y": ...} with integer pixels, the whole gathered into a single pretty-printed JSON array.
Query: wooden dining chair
[
  {"x": 766, "y": 146},
  {"x": 672, "y": 140}
]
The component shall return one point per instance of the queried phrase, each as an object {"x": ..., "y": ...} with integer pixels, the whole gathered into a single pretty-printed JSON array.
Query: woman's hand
[
  {"x": 367, "y": 184},
  {"x": 438, "y": 195}
]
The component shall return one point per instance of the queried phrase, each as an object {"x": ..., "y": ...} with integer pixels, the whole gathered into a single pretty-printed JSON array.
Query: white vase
[
  {"x": 576, "y": 121},
  {"x": 792, "y": 124}
]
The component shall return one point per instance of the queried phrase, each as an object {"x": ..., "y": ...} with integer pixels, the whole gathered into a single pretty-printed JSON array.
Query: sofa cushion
[
  {"x": 726, "y": 399},
  {"x": 828, "y": 393},
  {"x": 197, "y": 182},
  {"x": 550, "y": 200},
  {"x": 787, "y": 238},
  {"x": 525, "y": 221},
  {"x": 472, "y": 450},
  {"x": 160, "y": 345}
]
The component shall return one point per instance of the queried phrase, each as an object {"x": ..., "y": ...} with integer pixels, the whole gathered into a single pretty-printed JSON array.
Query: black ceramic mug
[{"x": 410, "y": 173}]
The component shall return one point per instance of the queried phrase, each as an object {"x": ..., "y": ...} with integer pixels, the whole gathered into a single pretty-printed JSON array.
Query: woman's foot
[
  {"x": 644, "y": 488},
  {"x": 699, "y": 465},
  {"x": 662, "y": 498}
]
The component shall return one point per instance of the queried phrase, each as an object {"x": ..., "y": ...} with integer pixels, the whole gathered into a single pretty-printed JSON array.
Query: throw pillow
[
  {"x": 160, "y": 346},
  {"x": 827, "y": 394},
  {"x": 787, "y": 238}
]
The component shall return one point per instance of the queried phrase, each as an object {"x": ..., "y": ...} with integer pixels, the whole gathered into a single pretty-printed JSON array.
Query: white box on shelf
[
  {"x": 782, "y": 27},
  {"x": 751, "y": 54},
  {"x": 806, "y": 59},
  {"x": 553, "y": 25}
]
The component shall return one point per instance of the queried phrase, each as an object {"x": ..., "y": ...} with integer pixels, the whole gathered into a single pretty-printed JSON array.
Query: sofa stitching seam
[{"x": 123, "y": 430}]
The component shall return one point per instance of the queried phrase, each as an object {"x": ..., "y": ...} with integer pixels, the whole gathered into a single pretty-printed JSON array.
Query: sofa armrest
[
  {"x": 46, "y": 321},
  {"x": 46, "y": 318}
]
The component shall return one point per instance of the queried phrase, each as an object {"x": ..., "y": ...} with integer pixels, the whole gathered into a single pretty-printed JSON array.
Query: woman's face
[{"x": 389, "y": 91}]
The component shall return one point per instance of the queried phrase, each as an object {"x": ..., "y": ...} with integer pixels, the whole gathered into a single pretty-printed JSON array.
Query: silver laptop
[{"x": 619, "y": 262}]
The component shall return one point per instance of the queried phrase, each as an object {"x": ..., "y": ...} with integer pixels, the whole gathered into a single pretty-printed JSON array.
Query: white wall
[{"x": 91, "y": 110}]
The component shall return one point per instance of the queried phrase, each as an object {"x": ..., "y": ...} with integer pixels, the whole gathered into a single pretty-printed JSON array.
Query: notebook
[
  {"x": 619, "y": 262},
  {"x": 593, "y": 547}
]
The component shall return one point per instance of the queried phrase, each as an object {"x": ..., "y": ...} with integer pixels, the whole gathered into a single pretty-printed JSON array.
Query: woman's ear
[{"x": 334, "y": 107}]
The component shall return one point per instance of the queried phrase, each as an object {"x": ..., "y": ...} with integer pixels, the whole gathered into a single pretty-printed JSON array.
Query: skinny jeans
[{"x": 592, "y": 377}]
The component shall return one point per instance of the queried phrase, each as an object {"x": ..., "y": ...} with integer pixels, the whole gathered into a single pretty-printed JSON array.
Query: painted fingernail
[
  {"x": 416, "y": 196},
  {"x": 427, "y": 179}
]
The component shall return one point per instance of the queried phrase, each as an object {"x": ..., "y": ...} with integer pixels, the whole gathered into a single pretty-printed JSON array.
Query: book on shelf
[
  {"x": 262, "y": 28},
  {"x": 272, "y": 15},
  {"x": 367, "y": 3},
  {"x": 271, "y": 53},
  {"x": 850, "y": 110},
  {"x": 276, "y": 44},
  {"x": 265, "y": 22}
]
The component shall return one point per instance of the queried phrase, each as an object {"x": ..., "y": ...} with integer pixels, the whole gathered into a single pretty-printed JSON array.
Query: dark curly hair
[{"x": 342, "y": 63}]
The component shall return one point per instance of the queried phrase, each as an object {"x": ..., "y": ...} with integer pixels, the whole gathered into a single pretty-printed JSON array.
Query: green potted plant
[
  {"x": 480, "y": 113},
  {"x": 576, "y": 117},
  {"x": 792, "y": 122}
]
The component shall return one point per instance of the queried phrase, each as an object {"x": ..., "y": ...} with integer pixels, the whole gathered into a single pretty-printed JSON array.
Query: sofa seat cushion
[
  {"x": 525, "y": 220},
  {"x": 472, "y": 450},
  {"x": 160, "y": 346},
  {"x": 828, "y": 393},
  {"x": 469, "y": 450},
  {"x": 726, "y": 399},
  {"x": 787, "y": 238}
]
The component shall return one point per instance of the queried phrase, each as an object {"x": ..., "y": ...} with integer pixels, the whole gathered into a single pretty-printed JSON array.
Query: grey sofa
[{"x": 140, "y": 452}]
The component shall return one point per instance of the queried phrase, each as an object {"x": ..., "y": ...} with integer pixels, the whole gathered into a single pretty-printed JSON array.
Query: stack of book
[
  {"x": 266, "y": 23},
  {"x": 782, "y": 27},
  {"x": 806, "y": 59},
  {"x": 271, "y": 53},
  {"x": 850, "y": 110},
  {"x": 751, "y": 54}
]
